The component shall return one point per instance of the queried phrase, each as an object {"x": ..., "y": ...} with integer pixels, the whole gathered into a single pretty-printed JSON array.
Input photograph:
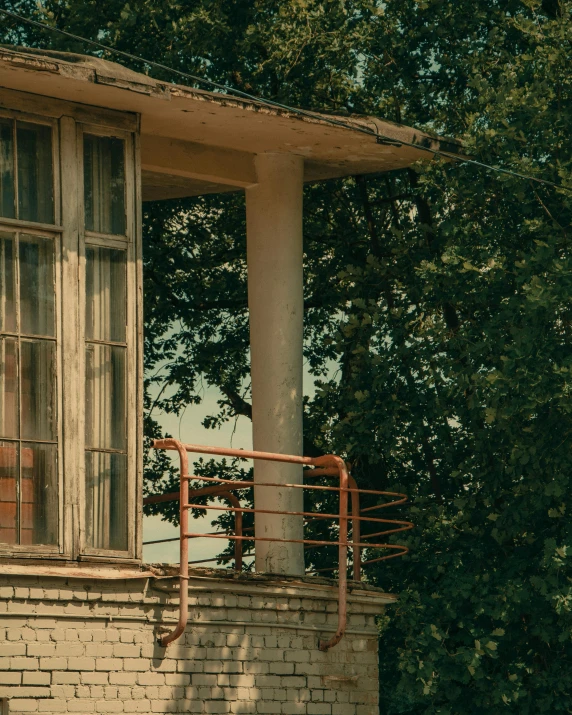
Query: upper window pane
[
  {"x": 104, "y": 184},
  {"x": 27, "y": 163},
  {"x": 7, "y": 195},
  {"x": 35, "y": 182},
  {"x": 105, "y": 305}
]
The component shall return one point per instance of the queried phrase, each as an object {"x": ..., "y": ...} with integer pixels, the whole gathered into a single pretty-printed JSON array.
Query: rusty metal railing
[{"x": 329, "y": 466}]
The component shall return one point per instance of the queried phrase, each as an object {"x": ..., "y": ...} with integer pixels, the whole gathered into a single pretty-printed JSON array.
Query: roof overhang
[{"x": 195, "y": 142}]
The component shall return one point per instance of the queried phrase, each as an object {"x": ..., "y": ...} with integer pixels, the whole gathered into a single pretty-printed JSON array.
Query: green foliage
[{"x": 441, "y": 295}]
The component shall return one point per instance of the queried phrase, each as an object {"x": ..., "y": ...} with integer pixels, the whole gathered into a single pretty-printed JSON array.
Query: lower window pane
[
  {"x": 105, "y": 397},
  {"x": 8, "y": 387},
  {"x": 39, "y": 495},
  {"x": 8, "y": 493},
  {"x": 38, "y": 385},
  {"x": 105, "y": 279},
  {"x": 106, "y": 500}
]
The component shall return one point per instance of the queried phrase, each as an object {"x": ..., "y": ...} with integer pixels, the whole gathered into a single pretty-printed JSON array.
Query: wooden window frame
[
  {"x": 17, "y": 115},
  {"x": 54, "y": 232},
  {"x": 59, "y": 548},
  {"x": 126, "y": 242},
  {"x": 69, "y": 122}
]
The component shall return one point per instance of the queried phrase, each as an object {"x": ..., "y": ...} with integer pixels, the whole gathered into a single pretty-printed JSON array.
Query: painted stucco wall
[{"x": 88, "y": 645}]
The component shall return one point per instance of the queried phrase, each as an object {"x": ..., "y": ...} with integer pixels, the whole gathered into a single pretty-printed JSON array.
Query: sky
[{"x": 189, "y": 429}]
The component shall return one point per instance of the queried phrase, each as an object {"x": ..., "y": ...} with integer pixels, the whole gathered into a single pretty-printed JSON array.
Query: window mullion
[
  {"x": 105, "y": 276},
  {"x": 72, "y": 418}
]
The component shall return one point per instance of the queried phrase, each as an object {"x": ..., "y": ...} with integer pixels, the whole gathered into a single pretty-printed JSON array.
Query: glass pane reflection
[
  {"x": 7, "y": 193},
  {"x": 7, "y": 284},
  {"x": 105, "y": 397},
  {"x": 9, "y": 387},
  {"x": 106, "y": 500},
  {"x": 8, "y": 493},
  {"x": 37, "y": 286},
  {"x": 38, "y": 386},
  {"x": 39, "y": 495},
  {"x": 104, "y": 184},
  {"x": 105, "y": 306},
  {"x": 35, "y": 172}
]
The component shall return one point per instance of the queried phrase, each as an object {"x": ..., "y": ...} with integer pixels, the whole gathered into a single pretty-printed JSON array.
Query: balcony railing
[{"x": 349, "y": 521}]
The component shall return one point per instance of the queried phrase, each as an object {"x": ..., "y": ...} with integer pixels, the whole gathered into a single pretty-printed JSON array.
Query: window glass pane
[
  {"x": 7, "y": 284},
  {"x": 106, "y": 500},
  {"x": 7, "y": 197},
  {"x": 8, "y": 387},
  {"x": 38, "y": 385},
  {"x": 37, "y": 290},
  {"x": 106, "y": 294},
  {"x": 104, "y": 184},
  {"x": 105, "y": 397},
  {"x": 39, "y": 495},
  {"x": 35, "y": 173},
  {"x": 8, "y": 492}
]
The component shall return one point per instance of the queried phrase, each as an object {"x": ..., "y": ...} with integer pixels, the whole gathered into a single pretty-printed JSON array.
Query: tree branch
[
  {"x": 243, "y": 408},
  {"x": 372, "y": 230},
  {"x": 450, "y": 313},
  {"x": 237, "y": 402}
]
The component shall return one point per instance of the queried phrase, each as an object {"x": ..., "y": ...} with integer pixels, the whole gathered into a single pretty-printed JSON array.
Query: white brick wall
[{"x": 90, "y": 646}]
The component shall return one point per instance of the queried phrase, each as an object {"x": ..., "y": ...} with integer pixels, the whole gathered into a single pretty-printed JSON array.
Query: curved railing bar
[
  {"x": 324, "y": 645},
  {"x": 347, "y": 544},
  {"x": 328, "y": 466},
  {"x": 244, "y": 484},
  {"x": 405, "y": 550},
  {"x": 313, "y": 514},
  {"x": 183, "y": 550}
]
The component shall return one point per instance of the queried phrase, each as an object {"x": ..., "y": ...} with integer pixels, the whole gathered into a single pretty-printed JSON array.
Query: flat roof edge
[{"x": 111, "y": 74}]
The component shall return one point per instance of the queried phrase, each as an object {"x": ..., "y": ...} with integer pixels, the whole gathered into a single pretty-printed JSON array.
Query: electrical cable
[
  {"x": 201, "y": 80},
  {"x": 239, "y": 94}
]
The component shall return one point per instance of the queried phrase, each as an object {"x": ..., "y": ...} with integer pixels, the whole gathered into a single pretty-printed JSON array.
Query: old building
[{"x": 82, "y": 142}]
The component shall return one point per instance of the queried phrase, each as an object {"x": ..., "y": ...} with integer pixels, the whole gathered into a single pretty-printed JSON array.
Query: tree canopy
[{"x": 438, "y": 312}]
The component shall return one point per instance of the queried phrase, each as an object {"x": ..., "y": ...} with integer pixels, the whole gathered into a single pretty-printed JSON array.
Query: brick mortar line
[
  {"x": 170, "y": 604},
  {"x": 143, "y": 605},
  {"x": 251, "y": 624},
  {"x": 318, "y": 592},
  {"x": 174, "y": 593}
]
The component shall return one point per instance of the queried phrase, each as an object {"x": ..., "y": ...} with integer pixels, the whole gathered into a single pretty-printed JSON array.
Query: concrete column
[{"x": 275, "y": 299}]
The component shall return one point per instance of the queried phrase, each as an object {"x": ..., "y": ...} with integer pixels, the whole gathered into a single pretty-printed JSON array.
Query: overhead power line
[{"x": 239, "y": 94}]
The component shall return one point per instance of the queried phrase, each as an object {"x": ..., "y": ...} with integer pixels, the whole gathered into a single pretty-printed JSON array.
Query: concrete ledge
[
  {"x": 75, "y": 571},
  {"x": 225, "y": 581}
]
